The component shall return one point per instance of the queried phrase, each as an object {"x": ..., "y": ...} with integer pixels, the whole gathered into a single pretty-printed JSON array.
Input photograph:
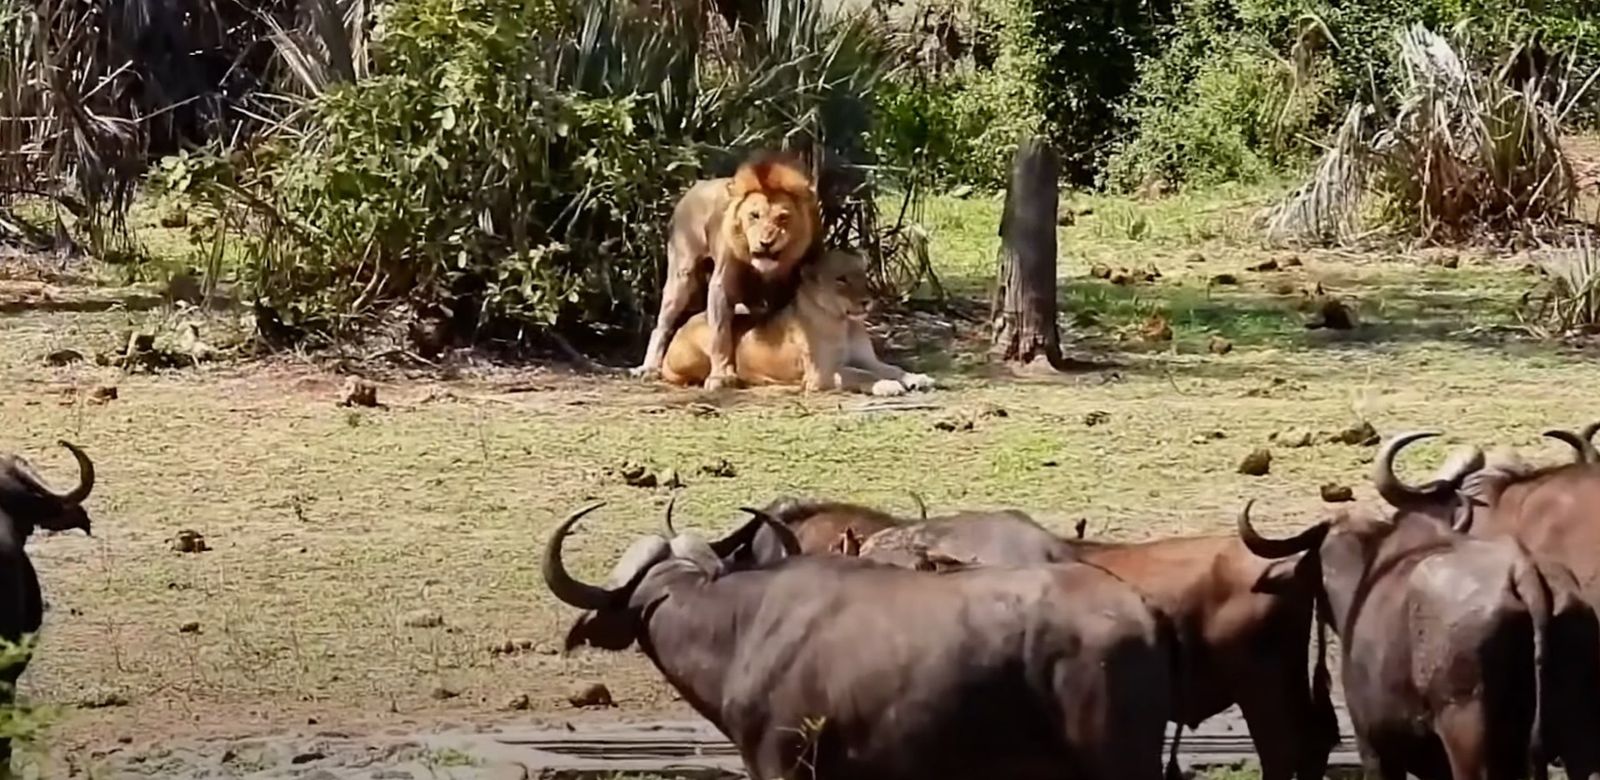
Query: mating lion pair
[{"x": 778, "y": 308}]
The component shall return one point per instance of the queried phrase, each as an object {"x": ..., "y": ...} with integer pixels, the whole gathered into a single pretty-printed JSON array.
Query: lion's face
[
  {"x": 838, "y": 283},
  {"x": 772, "y": 223},
  {"x": 773, "y": 216}
]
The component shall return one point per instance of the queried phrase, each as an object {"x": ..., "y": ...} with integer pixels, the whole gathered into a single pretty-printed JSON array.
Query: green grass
[{"x": 329, "y": 525}]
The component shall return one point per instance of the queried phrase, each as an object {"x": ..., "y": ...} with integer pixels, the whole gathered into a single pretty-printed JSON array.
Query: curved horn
[
  {"x": 1277, "y": 548},
  {"x": 922, "y": 507},
  {"x": 1582, "y": 447},
  {"x": 1588, "y": 431},
  {"x": 672, "y": 503},
  {"x": 1464, "y": 512},
  {"x": 85, "y": 474},
  {"x": 565, "y": 587},
  {"x": 1397, "y": 493},
  {"x": 786, "y": 537}
]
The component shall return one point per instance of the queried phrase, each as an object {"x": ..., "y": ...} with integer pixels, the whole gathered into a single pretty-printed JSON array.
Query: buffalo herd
[{"x": 831, "y": 640}]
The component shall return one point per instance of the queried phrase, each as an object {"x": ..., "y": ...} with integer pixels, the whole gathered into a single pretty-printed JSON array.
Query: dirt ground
[{"x": 373, "y": 572}]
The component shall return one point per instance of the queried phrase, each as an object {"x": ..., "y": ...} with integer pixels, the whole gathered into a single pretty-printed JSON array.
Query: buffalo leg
[{"x": 1465, "y": 735}]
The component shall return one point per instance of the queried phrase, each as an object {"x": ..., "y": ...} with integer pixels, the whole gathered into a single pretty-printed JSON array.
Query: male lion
[
  {"x": 735, "y": 242},
  {"x": 818, "y": 341}
]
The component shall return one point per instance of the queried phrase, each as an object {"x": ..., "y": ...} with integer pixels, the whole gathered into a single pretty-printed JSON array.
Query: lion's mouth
[{"x": 765, "y": 263}]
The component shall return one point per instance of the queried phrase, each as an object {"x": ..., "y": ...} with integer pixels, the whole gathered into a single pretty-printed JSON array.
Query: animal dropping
[
  {"x": 189, "y": 541},
  {"x": 590, "y": 695},
  {"x": 1257, "y": 463}
]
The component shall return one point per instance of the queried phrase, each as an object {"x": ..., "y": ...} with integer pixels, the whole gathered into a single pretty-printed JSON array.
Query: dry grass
[{"x": 330, "y": 525}]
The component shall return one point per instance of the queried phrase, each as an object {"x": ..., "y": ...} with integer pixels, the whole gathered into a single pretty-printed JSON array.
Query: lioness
[
  {"x": 735, "y": 242},
  {"x": 818, "y": 341}
]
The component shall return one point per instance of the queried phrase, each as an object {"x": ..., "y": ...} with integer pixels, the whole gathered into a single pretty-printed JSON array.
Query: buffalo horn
[
  {"x": 1397, "y": 493},
  {"x": 786, "y": 537},
  {"x": 1463, "y": 519},
  {"x": 75, "y": 496},
  {"x": 922, "y": 507},
  {"x": 566, "y": 588},
  {"x": 672, "y": 502},
  {"x": 1579, "y": 442},
  {"x": 1277, "y": 548},
  {"x": 1589, "y": 431}
]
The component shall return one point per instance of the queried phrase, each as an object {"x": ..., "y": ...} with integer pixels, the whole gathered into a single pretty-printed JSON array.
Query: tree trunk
[{"x": 1024, "y": 304}]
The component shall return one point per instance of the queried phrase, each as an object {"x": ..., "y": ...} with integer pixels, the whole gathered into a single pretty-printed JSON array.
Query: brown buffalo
[
  {"x": 832, "y": 668},
  {"x": 1554, "y": 511},
  {"x": 27, "y": 502},
  {"x": 1242, "y": 623},
  {"x": 1450, "y": 646}
]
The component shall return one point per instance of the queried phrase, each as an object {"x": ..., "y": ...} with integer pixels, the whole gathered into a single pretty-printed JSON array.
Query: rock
[
  {"x": 1066, "y": 218},
  {"x": 636, "y": 475},
  {"x": 518, "y": 702},
  {"x": 359, "y": 392},
  {"x": 307, "y": 757},
  {"x": 590, "y": 694},
  {"x": 1096, "y": 417},
  {"x": 98, "y": 700},
  {"x": 422, "y": 618},
  {"x": 1100, "y": 271},
  {"x": 1224, "y": 280},
  {"x": 1264, "y": 266},
  {"x": 103, "y": 394},
  {"x": 721, "y": 468},
  {"x": 1220, "y": 345},
  {"x": 189, "y": 541},
  {"x": 1257, "y": 463},
  {"x": 1361, "y": 434},
  {"x": 442, "y": 693},
  {"x": 190, "y": 627},
  {"x": 63, "y": 357},
  {"x": 1337, "y": 494},
  {"x": 1293, "y": 438}
]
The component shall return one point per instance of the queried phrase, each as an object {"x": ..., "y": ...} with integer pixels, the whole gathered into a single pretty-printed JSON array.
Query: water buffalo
[
  {"x": 845, "y": 669},
  {"x": 1450, "y": 645},
  {"x": 1554, "y": 511},
  {"x": 26, "y": 503},
  {"x": 1242, "y": 623}
]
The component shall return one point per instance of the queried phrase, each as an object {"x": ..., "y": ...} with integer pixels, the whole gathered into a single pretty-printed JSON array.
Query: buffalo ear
[
  {"x": 1280, "y": 577},
  {"x": 848, "y": 544}
]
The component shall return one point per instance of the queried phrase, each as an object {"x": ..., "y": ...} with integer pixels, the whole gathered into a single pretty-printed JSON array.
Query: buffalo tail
[{"x": 1530, "y": 586}]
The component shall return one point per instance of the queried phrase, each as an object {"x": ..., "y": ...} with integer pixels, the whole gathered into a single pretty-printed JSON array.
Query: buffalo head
[
  {"x": 611, "y": 612},
  {"x": 1437, "y": 497},
  {"x": 29, "y": 502}
]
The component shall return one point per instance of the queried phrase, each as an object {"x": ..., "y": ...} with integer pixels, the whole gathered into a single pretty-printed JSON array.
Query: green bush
[{"x": 514, "y": 163}]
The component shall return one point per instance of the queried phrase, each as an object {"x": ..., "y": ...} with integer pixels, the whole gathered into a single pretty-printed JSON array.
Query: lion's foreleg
[
  {"x": 719, "y": 319},
  {"x": 676, "y": 296},
  {"x": 864, "y": 357}
]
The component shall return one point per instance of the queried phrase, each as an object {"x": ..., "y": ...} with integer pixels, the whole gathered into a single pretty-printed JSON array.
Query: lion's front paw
[
  {"x": 917, "y": 382},
  {"x": 723, "y": 382},
  {"x": 647, "y": 373},
  {"x": 888, "y": 387}
]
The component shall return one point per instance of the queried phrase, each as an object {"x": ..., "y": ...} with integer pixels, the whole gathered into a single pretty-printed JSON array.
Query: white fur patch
[
  {"x": 917, "y": 382},
  {"x": 888, "y": 387}
]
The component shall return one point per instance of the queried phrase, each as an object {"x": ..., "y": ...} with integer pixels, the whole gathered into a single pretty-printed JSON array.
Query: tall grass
[{"x": 1456, "y": 152}]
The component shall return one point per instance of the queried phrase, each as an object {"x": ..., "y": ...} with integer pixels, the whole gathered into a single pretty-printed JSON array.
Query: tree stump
[{"x": 1024, "y": 303}]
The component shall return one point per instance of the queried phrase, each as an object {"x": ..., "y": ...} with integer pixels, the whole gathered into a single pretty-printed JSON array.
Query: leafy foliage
[
  {"x": 1458, "y": 152},
  {"x": 513, "y": 163}
]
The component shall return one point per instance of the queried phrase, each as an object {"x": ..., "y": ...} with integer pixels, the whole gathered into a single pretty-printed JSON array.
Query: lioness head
[
  {"x": 773, "y": 218},
  {"x": 837, "y": 283}
]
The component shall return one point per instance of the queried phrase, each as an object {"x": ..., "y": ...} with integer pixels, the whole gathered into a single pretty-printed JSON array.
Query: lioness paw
[
  {"x": 887, "y": 387},
  {"x": 917, "y": 382},
  {"x": 645, "y": 372},
  {"x": 723, "y": 383}
]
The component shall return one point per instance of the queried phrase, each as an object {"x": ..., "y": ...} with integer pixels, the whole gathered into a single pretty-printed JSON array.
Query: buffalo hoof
[
  {"x": 723, "y": 383},
  {"x": 888, "y": 387},
  {"x": 917, "y": 382}
]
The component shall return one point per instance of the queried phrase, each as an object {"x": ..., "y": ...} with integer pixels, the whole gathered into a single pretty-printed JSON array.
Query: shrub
[
  {"x": 514, "y": 170},
  {"x": 1568, "y": 299},
  {"x": 1458, "y": 152}
]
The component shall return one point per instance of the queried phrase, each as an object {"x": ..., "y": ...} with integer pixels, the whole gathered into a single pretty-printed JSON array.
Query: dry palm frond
[
  {"x": 1323, "y": 210},
  {"x": 1570, "y": 299}
]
